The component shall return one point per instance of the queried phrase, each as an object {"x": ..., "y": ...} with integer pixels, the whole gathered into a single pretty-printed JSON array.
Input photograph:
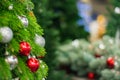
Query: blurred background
[{"x": 82, "y": 38}]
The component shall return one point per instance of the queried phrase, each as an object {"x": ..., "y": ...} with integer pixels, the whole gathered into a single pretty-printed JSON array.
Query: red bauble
[
  {"x": 110, "y": 62},
  {"x": 25, "y": 48},
  {"x": 33, "y": 64},
  {"x": 91, "y": 75}
]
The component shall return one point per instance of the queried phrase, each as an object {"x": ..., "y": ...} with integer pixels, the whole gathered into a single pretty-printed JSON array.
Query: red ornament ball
[
  {"x": 91, "y": 75},
  {"x": 110, "y": 62},
  {"x": 33, "y": 64},
  {"x": 25, "y": 48}
]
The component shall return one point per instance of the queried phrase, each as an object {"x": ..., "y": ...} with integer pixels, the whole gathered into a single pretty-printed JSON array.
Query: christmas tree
[
  {"x": 21, "y": 42},
  {"x": 98, "y": 60}
]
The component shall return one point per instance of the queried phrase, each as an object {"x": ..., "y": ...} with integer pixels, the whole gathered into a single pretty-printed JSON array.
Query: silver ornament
[
  {"x": 43, "y": 78},
  {"x": 16, "y": 78},
  {"x": 101, "y": 46},
  {"x": 6, "y": 53},
  {"x": 12, "y": 61},
  {"x": 40, "y": 61},
  {"x": 117, "y": 10},
  {"x": 75, "y": 43},
  {"x": 24, "y": 20},
  {"x": 10, "y": 7},
  {"x": 6, "y": 34},
  {"x": 39, "y": 40}
]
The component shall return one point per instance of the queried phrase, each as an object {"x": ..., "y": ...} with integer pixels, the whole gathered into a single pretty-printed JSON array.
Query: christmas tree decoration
[
  {"x": 75, "y": 43},
  {"x": 7, "y": 34},
  {"x": 102, "y": 21},
  {"x": 97, "y": 55},
  {"x": 16, "y": 78},
  {"x": 25, "y": 48},
  {"x": 110, "y": 62},
  {"x": 24, "y": 20},
  {"x": 12, "y": 61},
  {"x": 43, "y": 78},
  {"x": 117, "y": 10},
  {"x": 10, "y": 7},
  {"x": 17, "y": 42},
  {"x": 6, "y": 53},
  {"x": 101, "y": 46},
  {"x": 33, "y": 64},
  {"x": 39, "y": 40},
  {"x": 98, "y": 28},
  {"x": 91, "y": 75}
]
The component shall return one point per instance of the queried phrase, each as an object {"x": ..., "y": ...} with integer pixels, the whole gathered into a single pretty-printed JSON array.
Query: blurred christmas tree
[
  {"x": 99, "y": 60},
  {"x": 60, "y": 24},
  {"x": 21, "y": 42}
]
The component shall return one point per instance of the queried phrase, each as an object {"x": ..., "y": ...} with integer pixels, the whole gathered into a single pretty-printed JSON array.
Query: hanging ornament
[
  {"x": 6, "y": 34},
  {"x": 97, "y": 55},
  {"x": 91, "y": 75},
  {"x": 24, "y": 20},
  {"x": 16, "y": 78},
  {"x": 43, "y": 78},
  {"x": 33, "y": 64},
  {"x": 102, "y": 46},
  {"x": 6, "y": 53},
  {"x": 39, "y": 40},
  {"x": 12, "y": 61},
  {"x": 10, "y": 7},
  {"x": 25, "y": 48},
  {"x": 75, "y": 43},
  {"x": 117, "y": 10},
  {"x": 110, "y": 62}
]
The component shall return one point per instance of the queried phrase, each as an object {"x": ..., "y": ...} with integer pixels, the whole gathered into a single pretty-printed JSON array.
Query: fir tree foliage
[
  {"x": 84, "y": 57},
  {"x": 59, "y": 20},
  {"x": 65, "y": 20},
  {"x": 45, "y": 17},
  {"x": 10, "y": 19},
  {"x": 114, "y": 21}
]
